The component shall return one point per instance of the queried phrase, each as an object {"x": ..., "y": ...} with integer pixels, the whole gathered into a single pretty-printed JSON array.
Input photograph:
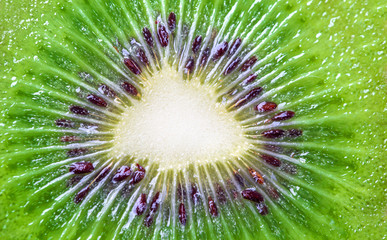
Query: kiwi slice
[{"x": 193, "y": 119}]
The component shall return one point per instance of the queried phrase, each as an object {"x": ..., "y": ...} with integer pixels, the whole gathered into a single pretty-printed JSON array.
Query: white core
[{"x": 177, "y": 123}]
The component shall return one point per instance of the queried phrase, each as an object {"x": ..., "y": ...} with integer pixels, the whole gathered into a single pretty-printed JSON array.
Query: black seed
[
  {"x": 142, "y": 56},
  {"x": 140, "y": 168},
  {"x": 248, "y": 63},
  {"x": 283, "y": 116},
  {"x": 249, "y": 96},
  {"x": 231, "y": 67},
  {"x": 252, "y": 195},
  {"x": 172, "y": 21},
  {"x": 271, "y": 160},
  {"x": 122, "y": 173},
  {"x": 273, "y": 133},
  {"x": 141, "y": 206},
  {"x": 162, "y": 35},
  {"x": 155, "y": 202},
  {"x": 204, "y": 58},
  {"x": 77, "y": 152},
  {"x": 182, "y": 214},
  {"x": 220, "y": 50},
  {"x": 262, "y": 209},
  {"x": 195, "y": 194},
  {"x": 153, "y": 208},
  {"x": 234, "y": 46},
  {"x": 79, "y": 110},
  {"x": 294, "y": 133},
  {"x": 138, "y": 175},
  {"x": 212, "y": 207},
  {"x": 81, "y": 167},
  {"x": 129, "y": 88},
  {"x": 102, "y": 174},
  {"x": 266, "y": 106},
  {"x": 70, "y": 139},
  {"x": 249, "y": 79},
  {"x": 81, "y": 194},
  {"x": 64, "y": 123},
  {"x": 256, "y": 176},
  {"x": 239, "y": 179},
  {"x": 189, "y": 66},
  {"x": 196, "y": 44},
  {"x": 96, "y": 100},
  {"x": 132, "y": 65},
  {"x": 147, "y": 36},
  {"x": 107, "y": 91}
]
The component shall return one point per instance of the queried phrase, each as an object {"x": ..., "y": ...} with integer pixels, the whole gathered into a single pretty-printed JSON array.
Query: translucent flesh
[{"x": 325, "y": 60}]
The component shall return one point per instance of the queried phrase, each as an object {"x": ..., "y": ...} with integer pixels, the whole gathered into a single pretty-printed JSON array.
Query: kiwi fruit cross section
[{"x": 195, "y": 120}]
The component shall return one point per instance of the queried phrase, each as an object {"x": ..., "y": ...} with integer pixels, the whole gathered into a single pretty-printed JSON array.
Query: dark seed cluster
[
  {"x": 132, "y": 65},
  {"x": 152, "y": 210},
  {"x": 195, "y": 194},
  {"x": 79, "y": 110},
  {"x": 122, "y": 173},
  {"x": 250, "y": 184},
  {"x": 234, "y": 46},
  {"x": 205, "y": 56},
  {"x": 172, "y": 21},
  {"x": 252, "y": 195},
  {"x": 283, "y": 116},
  {"x": 96, "y": 100},
  {"x": 212, "y": 207},
  {"x": 162, "y": 35},
  {"x": 147, "y": 36},
  {"x": 266, "y": 106},
  {"x": 219, "y": 50},
  {"x": 271, "y": 160},
  {"x": 189, "y": 66},
  {"x": 182, "y": 214},
  {"x": 232, "y": 66},
  {"x": 141, "y": 205},
  {"x": 138, "y": 175},
  {"x": 196, "y": 44},
  {"x": 129, "y": 88},
  {"x": 248, "y": 97},
  {"x": 248, "y": 63}
]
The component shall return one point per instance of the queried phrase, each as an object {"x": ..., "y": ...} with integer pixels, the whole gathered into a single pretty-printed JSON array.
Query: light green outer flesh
[{"x": 361, "y": 39}]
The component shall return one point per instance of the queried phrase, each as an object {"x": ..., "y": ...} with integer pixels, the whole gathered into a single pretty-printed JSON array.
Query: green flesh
[{"x": 337, "y": 89}]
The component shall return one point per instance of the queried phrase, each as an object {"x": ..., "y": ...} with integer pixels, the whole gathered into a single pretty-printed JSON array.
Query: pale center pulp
[{"x": 176, "y": 123}]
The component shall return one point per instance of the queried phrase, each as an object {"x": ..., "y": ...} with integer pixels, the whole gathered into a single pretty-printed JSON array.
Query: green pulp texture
[{"x": 333, "y": 55}]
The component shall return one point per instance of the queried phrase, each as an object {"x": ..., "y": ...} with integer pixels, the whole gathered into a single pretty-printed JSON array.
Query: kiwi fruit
[{"x": 193, "y": 119}]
